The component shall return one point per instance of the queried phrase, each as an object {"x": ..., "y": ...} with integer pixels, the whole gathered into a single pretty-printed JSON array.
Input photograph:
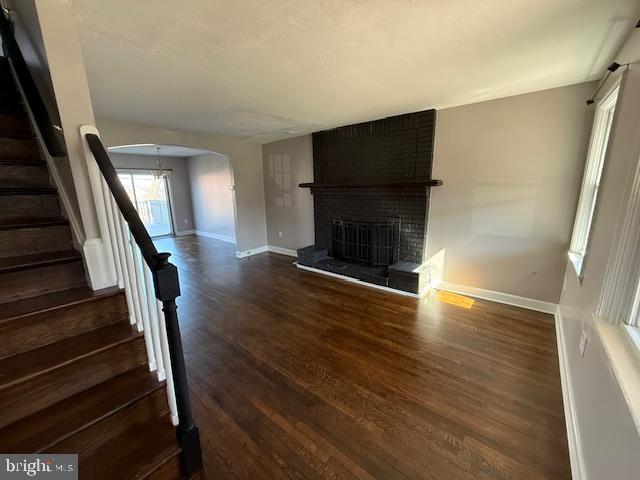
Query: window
[
  {"x": 591, "y": 180},
  {"x": 150, "y": 197}
]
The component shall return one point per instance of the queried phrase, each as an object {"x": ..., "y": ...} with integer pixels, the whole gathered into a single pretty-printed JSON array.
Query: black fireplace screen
[{"x": 367, "y": 243}]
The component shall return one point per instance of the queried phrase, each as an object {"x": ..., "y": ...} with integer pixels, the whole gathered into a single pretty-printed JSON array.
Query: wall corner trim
[
  {"x": 98, "y": 250},
  {"x": 282, "y": 251},
  {"x": 499, "y": 297},
  {"x": 573, "y": 433}
]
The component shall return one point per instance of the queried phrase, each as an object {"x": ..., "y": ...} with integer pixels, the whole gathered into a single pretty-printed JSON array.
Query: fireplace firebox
[{"x": 365, "y": 242}]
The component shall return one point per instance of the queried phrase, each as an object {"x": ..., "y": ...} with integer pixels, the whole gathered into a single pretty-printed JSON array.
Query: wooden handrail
[{"x": 49, "y": 129}]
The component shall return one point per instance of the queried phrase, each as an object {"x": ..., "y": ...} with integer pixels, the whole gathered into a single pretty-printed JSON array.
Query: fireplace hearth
[{"x": 371, "y": 193}]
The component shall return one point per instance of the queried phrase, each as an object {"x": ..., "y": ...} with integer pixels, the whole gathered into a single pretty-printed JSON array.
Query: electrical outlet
[
  {"x": 280, "y": 234},
  {"x": 583, "y": 343},
  {"x": 186, "y": 221}
]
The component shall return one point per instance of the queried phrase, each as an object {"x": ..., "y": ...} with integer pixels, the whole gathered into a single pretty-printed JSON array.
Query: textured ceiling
[
  {"x": 270, "y": 69},
  {"x": 165, "y": 150}
]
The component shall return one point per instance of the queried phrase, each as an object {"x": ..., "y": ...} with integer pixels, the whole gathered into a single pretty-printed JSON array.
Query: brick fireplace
[{"x": 371, "y": 192}]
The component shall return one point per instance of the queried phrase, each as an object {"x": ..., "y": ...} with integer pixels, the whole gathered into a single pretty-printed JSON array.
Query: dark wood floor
[{"x": 298, "y": 375}]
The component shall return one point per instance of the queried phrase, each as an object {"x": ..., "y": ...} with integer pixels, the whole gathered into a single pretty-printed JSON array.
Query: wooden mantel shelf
[{"x": 400, "y": 184}]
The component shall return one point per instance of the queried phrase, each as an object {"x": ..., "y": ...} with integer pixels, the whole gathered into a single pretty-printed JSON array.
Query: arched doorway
[{"x": 179, "y": 190}]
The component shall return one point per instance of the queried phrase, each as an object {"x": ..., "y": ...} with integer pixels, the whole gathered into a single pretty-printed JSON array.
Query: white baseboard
[
  {"x": 282, "y": 251},
  {"x": 250, "y": 252},
  {"x": 573, "y": 434},
  {"x": 499, "y": 297},
  {"x": 223, "y": 238},
  {"x": 67, "y": 209},
  {"x": 364, "y": 284},
  {"x": 185, "y": 232},
  {"x": 266, "y": 248}
]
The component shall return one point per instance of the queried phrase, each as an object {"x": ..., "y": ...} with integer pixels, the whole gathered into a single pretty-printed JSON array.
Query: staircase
[{"x": 73, "y": 371}]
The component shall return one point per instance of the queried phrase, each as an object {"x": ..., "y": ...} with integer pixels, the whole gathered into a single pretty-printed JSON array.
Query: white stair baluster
[
  {"x": 144, "y": 305},
  {"x": 153, "y": 320},
  {"x": 128, "y": 255},
  {"x": 124, "y": 267},
  {"x": 106, "y": 193}
]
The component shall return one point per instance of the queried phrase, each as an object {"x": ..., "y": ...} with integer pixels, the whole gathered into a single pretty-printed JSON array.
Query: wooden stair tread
[
  {"x": 26, "y": 135},
  {"x": 28, "y": 190},
  {"x": 23, "y": 262},
  {"x": 19, "y": 368},
  {"x": 74, "y": 373},
  {"x": 52, "y": 301},
  {"x": 16, "y": 223},
  {"x": 35, "y": 162},
  {"x": 136, "y": 454},
  {"x": 31, "y": 141},
  {"x": 66, "y": 418}
]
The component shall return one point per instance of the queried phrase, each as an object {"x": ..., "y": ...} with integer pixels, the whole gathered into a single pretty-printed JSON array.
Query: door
[{"x": 150, "y": 196}]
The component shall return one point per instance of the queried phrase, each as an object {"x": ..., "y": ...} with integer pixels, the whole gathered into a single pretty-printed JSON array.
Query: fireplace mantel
[{"x": 401, "y": 184}]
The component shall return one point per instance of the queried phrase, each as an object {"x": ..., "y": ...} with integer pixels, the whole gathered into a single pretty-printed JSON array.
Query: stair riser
[
  {"x": 41, "y": 280},
  {"x": 28, "y": 206},
  {"x": 36, "y": 330},
  {"x": 21, "y": 175},
  {"x": 14, "y": 125},
  {"x": 92, "y": 439},
  {"x": 27, "y": 397},
  {"x": 23, "y": 149},
  {"x": 34, "y": 240},
  {"x": 7, "y": 86}
]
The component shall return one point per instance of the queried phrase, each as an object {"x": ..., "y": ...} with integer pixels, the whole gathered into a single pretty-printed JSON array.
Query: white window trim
[
  {"x": 622, "y": 350},
  {"x": 620, "y": 298},
  {"x": 596, "y": 157}
]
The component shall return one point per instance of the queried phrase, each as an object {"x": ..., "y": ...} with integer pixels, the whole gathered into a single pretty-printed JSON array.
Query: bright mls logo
[{"x": 42, "y": 466}]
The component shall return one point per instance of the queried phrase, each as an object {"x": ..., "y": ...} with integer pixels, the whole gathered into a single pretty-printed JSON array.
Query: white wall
[
  {"x": 178, "y": 180},
  {"x": 289, "y": 208},
  {"x": 246, "y": 162},
  {"x": 511, "y": 170},
  {"x": 211, "y": 180},
  {"x": 609, "y": 439}
]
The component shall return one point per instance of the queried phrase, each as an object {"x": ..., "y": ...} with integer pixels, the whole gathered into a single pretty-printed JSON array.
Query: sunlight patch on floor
[{"x": 454, "y": 299}]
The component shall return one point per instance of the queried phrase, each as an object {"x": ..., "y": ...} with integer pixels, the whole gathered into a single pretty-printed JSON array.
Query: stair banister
[
  {"x": 50, "y": 129},
  {"x": 166, "y": 287},
  {"x": 152, "y": 308}
]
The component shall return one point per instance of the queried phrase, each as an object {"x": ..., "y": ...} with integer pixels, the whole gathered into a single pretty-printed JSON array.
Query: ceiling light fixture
[{"x": 160, "y": 172}]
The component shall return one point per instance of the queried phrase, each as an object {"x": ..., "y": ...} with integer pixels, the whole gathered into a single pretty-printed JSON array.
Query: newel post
[{"x": 167, "y": 288}]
